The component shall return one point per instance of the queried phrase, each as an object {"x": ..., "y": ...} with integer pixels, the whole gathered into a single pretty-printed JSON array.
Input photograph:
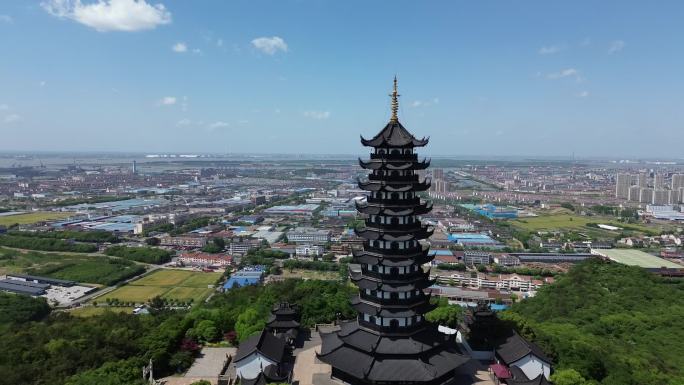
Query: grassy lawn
[
  {"x": 575, "y": 222},
  {"x": 130, "y": 293},
  {"x": 312, "y": 274},
  {"x": 29, "y": 218},
  {"x": 164, "y": 277},
  {"x": 181, "y": 285},
  {"x": 74, "y": 267},
  {"x": 89, "y": 311}
]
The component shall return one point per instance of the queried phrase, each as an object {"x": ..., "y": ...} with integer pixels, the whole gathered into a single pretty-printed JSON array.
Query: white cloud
[
  {"x": 424, "y": 103},
  {"x": 6, "y": 19},
  {"x": 218, "y": 124},
  {"x": 318, "y": 115},
  {"x": 197, "y": 51},
  {"x": 4, "y": 107},
  {"x": 42, "y": 83},
  {"x": 583, "y": 94},
  {"x": 184, "y": 104},
  {"x": 616, "y": 46},
  {"x": 219, "y": 43},
  {"x": 179, "y": 47},
  {"x": 270, "y": 45},
  {"x": 110, "y": 15},
  {"x": 11, "y": 118},
  {"x": 586, "y": 42},
  {"x": 184, "y": 122},
  {"x": 549, "y": 50},
  {"x": 568, "y": 72},
  {"x": 167, "y": 101}
]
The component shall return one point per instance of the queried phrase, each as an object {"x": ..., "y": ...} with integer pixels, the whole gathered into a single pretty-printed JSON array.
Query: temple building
[
  {"x": 391, "y": 342},
  {"x": 284, "y": 322}
]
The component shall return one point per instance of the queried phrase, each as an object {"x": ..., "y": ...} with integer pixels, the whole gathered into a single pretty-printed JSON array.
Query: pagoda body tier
[{"x": 391, "y": 342}]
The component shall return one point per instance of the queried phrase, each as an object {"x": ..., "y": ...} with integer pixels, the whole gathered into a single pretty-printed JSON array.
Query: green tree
[
  {"x": 568, "y": 377},
  {"x": 248, "y": 323}
]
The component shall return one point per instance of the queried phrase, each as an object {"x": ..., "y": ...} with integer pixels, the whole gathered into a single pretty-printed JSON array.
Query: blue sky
[{"x": 480, "y": 77}]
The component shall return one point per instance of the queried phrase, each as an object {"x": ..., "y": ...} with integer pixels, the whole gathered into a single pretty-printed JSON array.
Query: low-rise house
[
  {"x": 526, "y": 361},
  {"x": 261, "y": 359},
  {"x": 205, "y": 259}
]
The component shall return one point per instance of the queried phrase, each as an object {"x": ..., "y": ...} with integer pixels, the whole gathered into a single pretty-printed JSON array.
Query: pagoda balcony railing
[
  {"x": 409, "y": 157},
  {"x": 393, "y": 277},
  {"x": 395, "y": 178},
  {"x": 393, "y": 328},
  {"x": 394, "y": 301},
  {"x": 380, "y": 250},
  {"x": 389, "y": 227},
  {"x": 390, "y": 201}
]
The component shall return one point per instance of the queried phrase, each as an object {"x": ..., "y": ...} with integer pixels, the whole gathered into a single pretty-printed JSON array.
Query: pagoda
[{"x": 391, "y": 342}]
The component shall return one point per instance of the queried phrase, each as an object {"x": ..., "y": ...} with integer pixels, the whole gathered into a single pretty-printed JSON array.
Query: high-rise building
[
  {"x": 661, "y": 197},
  {"x": 391, "y": 342},
  {"x": 634, "y": 192},
  {"x": 438, "y": 173},
  {"x": 677, "y": 181},
  {"x": 642, "y": 179},
  {"x": 658, "y": 181},
  {"x": 622, "y": 184},
  {"x": 646, "y": 195},
  {"x": 135, "y": 167}
]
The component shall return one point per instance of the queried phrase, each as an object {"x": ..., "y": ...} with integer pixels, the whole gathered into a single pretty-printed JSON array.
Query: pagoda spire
[{"x": 395, "y": 102}]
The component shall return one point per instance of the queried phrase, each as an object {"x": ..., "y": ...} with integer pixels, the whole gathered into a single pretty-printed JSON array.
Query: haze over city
[{"x": 597, "y": 79}]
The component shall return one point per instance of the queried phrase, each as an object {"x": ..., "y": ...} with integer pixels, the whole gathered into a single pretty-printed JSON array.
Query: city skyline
[{"x": 479, "y": 79}]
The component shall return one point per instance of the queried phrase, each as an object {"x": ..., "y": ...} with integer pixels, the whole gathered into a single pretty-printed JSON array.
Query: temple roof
[
  {"x": 394, "y": 135},
  {"x": 422, "y": 357},
  {"x": 264, "y": 343},
  {"x": 515, "y": 347}
]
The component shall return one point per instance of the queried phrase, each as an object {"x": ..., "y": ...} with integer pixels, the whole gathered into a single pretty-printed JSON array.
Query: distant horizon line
[{"x": 195, "y": 155}]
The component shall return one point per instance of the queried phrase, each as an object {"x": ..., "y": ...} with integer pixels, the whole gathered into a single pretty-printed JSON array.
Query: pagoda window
[
  {"x": 375, "y": 268},
  {"x": 394, "y": 245},
  {"x": 394, "y": 271},
  {"x": 395, "y": 151},
  {"x": 381, "y": 151},
  {"x": 385, "y": 294},
  {"x": 407, "y": 151},
  {"x": 395, "y": 196},
  {"x": 394, "y": 323},
  {"x": 395, "y": 220}
]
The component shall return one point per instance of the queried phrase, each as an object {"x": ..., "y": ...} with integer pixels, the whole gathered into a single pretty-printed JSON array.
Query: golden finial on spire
[{"x": 395, "y": 102}]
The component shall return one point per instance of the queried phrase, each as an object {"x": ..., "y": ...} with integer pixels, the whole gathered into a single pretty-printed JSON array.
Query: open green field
[
  {"x": 83, "y": 268},
  {"x": 89, "y": 311},
  {"x": 639, "y": 258},
  {"x": 574, "y": 222},
  {"x": 182, "y": 285},
  {"x": 311, "y": 274},
  {"x": 29, "y": 218}
]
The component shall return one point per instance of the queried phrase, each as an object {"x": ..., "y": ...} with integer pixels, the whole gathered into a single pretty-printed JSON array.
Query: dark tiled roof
[
  {"x": 515, "y": 347},
  {"x": 422, "y": 357},
  {"x": 394, "y": 135},
  {"x": 266, "y": 344}
]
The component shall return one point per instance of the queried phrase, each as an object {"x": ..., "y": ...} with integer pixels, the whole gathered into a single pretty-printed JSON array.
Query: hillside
[{"x": 614, "y": 324}]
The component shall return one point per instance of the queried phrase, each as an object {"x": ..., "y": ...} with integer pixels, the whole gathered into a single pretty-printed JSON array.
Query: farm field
[
  {"x": 180, "y": 285},
  {"x": 29, "y": 218},
  {"x": 83, "y": 268},
  {"x": 574, "y": 222}
]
